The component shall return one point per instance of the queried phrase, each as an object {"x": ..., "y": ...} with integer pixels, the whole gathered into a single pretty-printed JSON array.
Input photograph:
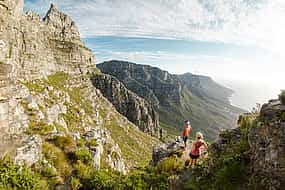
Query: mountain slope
[
  {"x": 178, "y": 97},
  {"x": 51, "y": 115}
]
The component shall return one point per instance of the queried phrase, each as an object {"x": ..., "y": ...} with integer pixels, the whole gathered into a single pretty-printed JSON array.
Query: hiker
[
  {"x": 197, "y": 145},
  {"x": 186, "y": 131}
]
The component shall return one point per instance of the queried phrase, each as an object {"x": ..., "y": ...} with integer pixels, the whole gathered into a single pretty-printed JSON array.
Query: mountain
[
  {"x": 136, "y": 109},
  {"x": 178, "y": 97},
  {"x": 51, "y": 115}
]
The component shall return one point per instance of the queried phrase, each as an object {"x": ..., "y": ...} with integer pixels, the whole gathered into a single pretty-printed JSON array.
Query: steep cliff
[
  {"x": 51, "y": 115},
  {"x": 178, "y": 97},
  {"x": 136, "y": 109}
]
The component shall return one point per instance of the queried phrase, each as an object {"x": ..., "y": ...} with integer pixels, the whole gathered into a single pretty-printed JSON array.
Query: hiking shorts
[
  {"x": 194, "y": 156},
  {"x": 185, "y": 139}
]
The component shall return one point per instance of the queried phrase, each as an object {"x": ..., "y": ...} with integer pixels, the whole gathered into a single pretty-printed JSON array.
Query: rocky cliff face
[
  {"x": 256, "y": 148},
  {"x": 178, "y": 97},
  {"x": 267, "y": 147},
  {"x": 48, "y": 104},
  {"x": 136, "y": 109}
]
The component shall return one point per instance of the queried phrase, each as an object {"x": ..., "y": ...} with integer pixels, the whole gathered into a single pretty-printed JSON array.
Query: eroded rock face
[
  {"x": 32, "y": 48},
  {"x": 267, "y": 148},
  {"x": 136, "y": 109},
  {"x": 265, "y": 154},
  {"x": 30, "y": 152},
  {"x": 112, "y": 150}
]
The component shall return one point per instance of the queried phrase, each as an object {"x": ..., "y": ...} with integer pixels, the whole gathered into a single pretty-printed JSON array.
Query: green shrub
[
  {"x": 245, "y": 121},
  {"x": 92, "y": 142},
  {"x": 67, "y": 144},
  {"x": 83, "y": 155},
  {"x": 282, "y": 97},
  {"x": 19, "y": 177},
  {"x": 282, "y": 116},
  {"x": 57, "y": 158},
  {"x": 103, "y": 181},
  {"x": 75, "y": 183},
  {"x": 82, "y": 170},
  {"x": 170, "y": 165}
]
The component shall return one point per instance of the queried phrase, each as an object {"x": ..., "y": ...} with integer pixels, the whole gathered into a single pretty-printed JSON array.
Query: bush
[
  {"x": 57, "y": 158},
  {"x": 19, "y": 177},
  {"x": 83, "y": 155},
  {"x": 75, "y": 183},
  {"x": 67, "y": 144},
  {"x": 170, "y": 165},
  {"x": 92, "y": 143},
  {"x": 282, "y": 97},
  {"x": 83, "y": 171}
]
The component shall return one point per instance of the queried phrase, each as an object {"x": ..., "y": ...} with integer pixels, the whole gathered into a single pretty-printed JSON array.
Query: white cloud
[
  {"x": 216, "y": 66},
  {"x": 257, "y": 22}
]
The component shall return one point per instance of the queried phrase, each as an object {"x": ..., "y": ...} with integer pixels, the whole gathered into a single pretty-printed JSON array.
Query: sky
[{"x": 239, "y": 43}]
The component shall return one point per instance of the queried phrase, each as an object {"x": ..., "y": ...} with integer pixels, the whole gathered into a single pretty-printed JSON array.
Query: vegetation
[
  {"x": 57, "y": 158},
  {"x": 83, "y": 155},
  {"x": 65, "y": 143},
  {"x": 58, "y": 80},
  {"x": 230, "y": 167},
  {"x": 39, "y": 128},
  {"x": 282, "y": 97},
  {"x": 19, "y": 177},
  {"x": 36, "y": 86}
]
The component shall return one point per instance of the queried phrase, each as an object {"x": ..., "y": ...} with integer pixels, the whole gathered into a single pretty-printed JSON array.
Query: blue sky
[{"x": 238, "y": 42}]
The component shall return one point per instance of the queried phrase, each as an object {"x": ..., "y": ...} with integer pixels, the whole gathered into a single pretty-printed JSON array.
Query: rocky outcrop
[
  {"x": 166, "y": 150},
  {"x": 258, "y": 145},
  {"x": 267, "y": 148},
  {"x": 136, "y": 109},
  {"x": 178, "y": 97},
  {"x": 103, "y": 139},
  {"x": 30, "y": 152}
]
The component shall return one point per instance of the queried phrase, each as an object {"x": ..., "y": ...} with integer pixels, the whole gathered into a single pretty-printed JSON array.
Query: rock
[
  {"x": 165, "y": 150},
  {"x": 266, "y": 151},
  {"x": 113, "y": 152},
  {"x": 271, "y": 110},
  {"x": 267, "y": 148},
  {"x": 136, "y": 109},
  {"x": 114, "y": 159},
  {"x": 30, "y": 152}
]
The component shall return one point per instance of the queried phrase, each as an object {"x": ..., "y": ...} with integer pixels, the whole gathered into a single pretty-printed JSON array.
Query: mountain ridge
[{"x": 176, "y": 97}]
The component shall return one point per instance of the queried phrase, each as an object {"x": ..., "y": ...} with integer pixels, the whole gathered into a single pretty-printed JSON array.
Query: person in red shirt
[
  {"x": 197, "y": 145},
  {"x": 186, "y": 131}
]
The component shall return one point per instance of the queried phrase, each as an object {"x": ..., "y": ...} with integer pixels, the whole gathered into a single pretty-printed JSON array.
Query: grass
[
  {"x": 57, "y": 158},
  {"x": 136, "y": 146},
  {"x": 40, "y": 128},
  {"x": 36, "y": 86},
  {"x": 58, "y": 80}
]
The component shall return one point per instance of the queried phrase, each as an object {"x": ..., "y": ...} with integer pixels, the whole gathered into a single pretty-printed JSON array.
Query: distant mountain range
[{"x": 178, "y": 97}]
